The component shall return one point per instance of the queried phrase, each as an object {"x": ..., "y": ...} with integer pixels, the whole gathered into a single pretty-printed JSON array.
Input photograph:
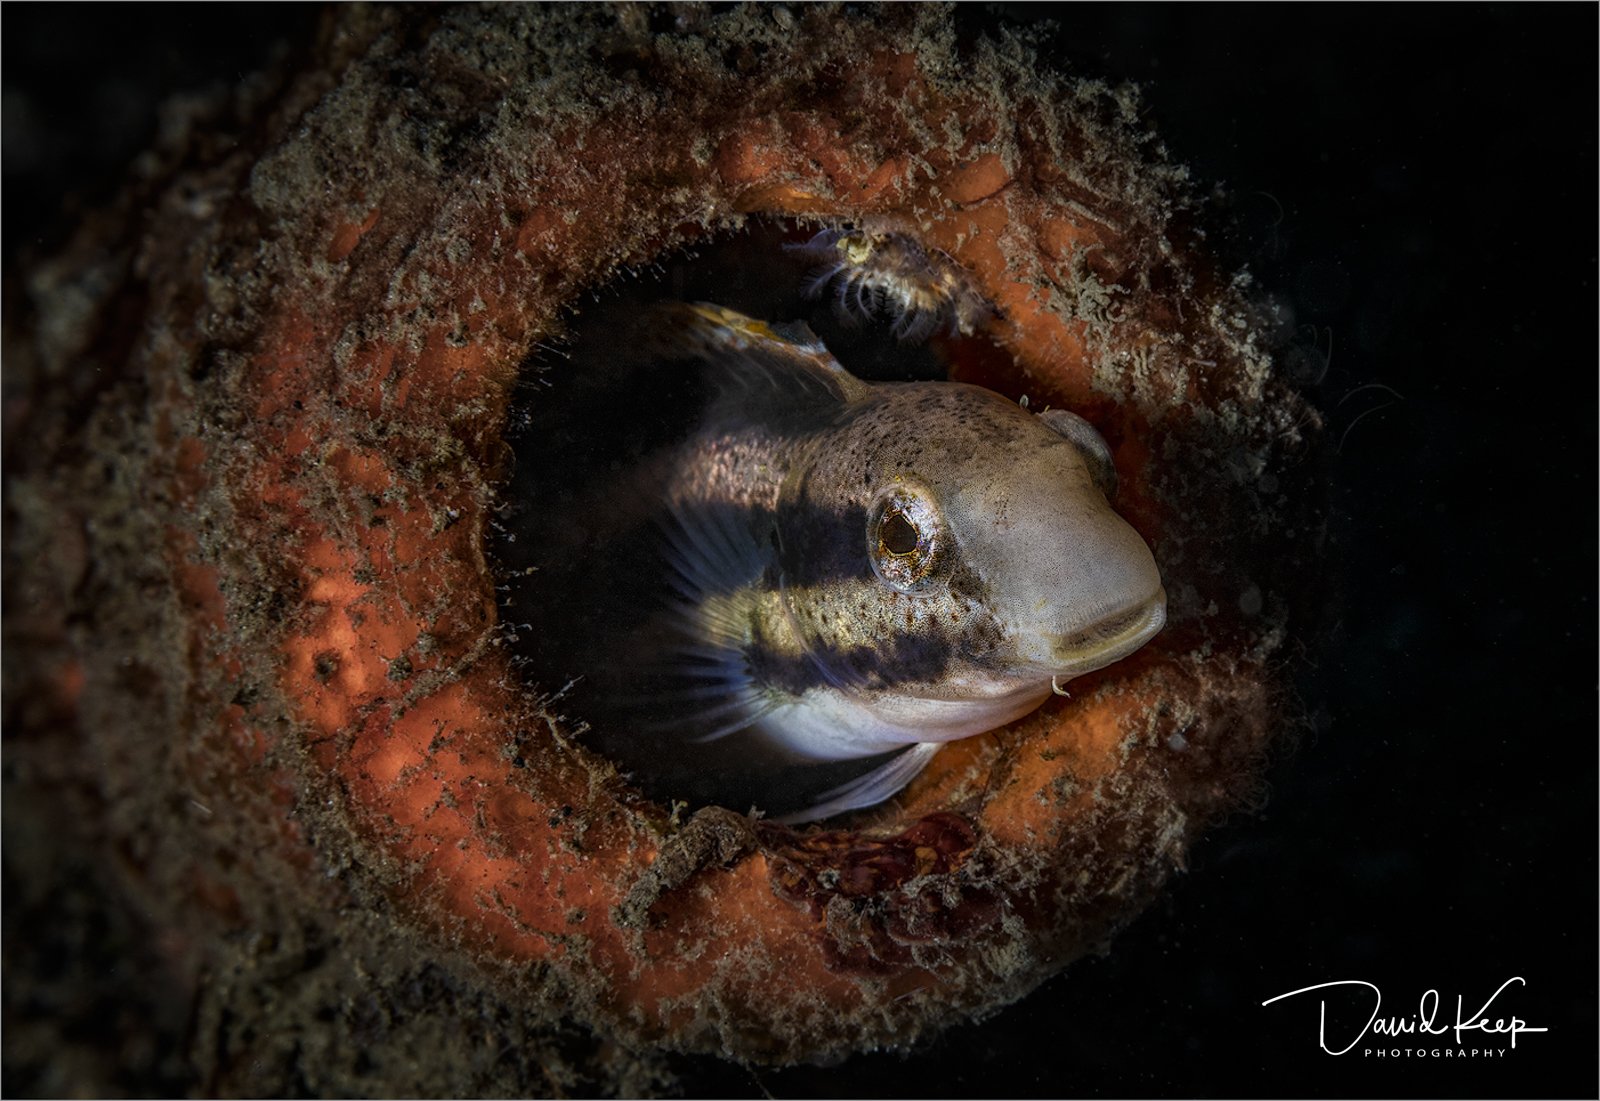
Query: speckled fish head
[
  {"x": 970, "y": 560},
  {"x": 861, "y": 568}
]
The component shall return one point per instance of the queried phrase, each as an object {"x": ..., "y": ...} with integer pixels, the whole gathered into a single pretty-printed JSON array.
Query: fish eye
[{"x": 903, "y": 538}]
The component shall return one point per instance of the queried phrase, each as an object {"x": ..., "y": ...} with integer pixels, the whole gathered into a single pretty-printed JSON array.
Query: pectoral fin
[
  {"x": 703, "y": 685},
  {"x": 868, "y": 789}
]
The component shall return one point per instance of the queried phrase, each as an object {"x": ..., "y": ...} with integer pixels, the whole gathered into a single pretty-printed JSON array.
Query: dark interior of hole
[{"x": 585, "y": 587}]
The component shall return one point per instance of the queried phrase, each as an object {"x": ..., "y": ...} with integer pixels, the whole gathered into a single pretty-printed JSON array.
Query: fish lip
[{"x": 1112, "y": 638}]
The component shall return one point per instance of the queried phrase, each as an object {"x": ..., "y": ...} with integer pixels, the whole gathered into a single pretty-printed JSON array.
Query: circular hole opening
[{"x": 660, "y": 627}]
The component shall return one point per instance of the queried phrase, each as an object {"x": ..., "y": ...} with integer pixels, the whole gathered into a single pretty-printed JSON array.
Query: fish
[{"x": 853, "y": 574}]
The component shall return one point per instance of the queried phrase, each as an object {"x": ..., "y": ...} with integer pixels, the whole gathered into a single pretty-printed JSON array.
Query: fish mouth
[{"x": 1111, "y": 639}]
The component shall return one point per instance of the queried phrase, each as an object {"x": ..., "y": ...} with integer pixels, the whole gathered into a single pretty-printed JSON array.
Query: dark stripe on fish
[
  {"x": 879, "y": 664},
  {"x": 821, "y": 544},
  {"x": 804, "y": 543}
]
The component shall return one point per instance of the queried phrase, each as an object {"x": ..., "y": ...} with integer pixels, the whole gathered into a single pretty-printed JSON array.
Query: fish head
[{"x": 994, "y": 566}]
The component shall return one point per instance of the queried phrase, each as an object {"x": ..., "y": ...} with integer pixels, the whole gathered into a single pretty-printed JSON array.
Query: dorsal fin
[{"x": 779, "y": 365}]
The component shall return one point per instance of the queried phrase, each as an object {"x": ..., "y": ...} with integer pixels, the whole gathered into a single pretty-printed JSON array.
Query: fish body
[{"x": 858, "y": 570}]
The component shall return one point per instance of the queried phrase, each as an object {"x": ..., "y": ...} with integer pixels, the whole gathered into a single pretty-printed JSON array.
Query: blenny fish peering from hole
[
  {"x": 795, "y": 605},
  {"x": 310, "y": 536}
]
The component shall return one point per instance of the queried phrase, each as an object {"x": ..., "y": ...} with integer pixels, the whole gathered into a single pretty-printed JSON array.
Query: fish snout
[
  {"x": 1096, "y": 600},
  {"x": 1108, "y": 639}
]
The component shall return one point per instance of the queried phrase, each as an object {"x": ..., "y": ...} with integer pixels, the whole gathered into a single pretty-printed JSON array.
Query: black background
[{"x": 1417, "y": 186}]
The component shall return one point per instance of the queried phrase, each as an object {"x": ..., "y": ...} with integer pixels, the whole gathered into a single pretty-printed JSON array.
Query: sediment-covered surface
[{"x": 257, "y": 686}]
